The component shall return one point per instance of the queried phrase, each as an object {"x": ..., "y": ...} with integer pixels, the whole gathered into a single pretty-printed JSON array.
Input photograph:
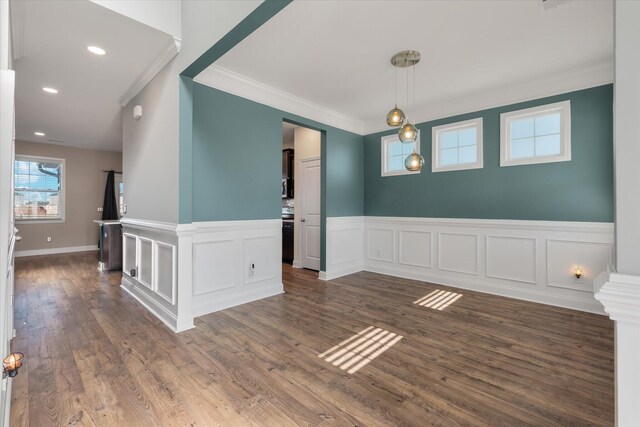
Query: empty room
[{"x": 456, "y": 240}]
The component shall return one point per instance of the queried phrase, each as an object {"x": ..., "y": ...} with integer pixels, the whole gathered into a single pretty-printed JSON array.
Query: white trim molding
[
  {"x": 620, "y": 297},
  {"x": 229, "y": 81},
  {"x": 168, "y": 52},
  {"x": 52, "y": 251}
]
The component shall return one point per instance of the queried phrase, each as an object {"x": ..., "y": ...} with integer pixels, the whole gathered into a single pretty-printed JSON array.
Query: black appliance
[
  {"x": 287, "y": 173},
  {"x": 287, "y": 241}
]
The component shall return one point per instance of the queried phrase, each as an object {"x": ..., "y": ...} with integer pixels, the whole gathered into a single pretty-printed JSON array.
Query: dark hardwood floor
[{"x": 94, "y": 356}]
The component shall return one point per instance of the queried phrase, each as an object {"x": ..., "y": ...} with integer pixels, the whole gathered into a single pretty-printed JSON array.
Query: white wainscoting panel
[
  {"x": 415, "y": 247},
  {"x": 165, "y": 272},
  {"x": 235, "y": 262},
  {"x": 130, "y": 251},
  {"x": 564, "y": 256},
  {"x": 344, "y": 246},
  {"x": 145, "y": 262},
  {"x": 511, "y": 258},
  {"x": 530, "y": 260},
  {"x": 216, "y": 266},
  {"x": 381, "y": 244},
  {"x": 458, "y": 253},
  {"x": 263, "y": 258},
  {"x": 151, "y": 248}
]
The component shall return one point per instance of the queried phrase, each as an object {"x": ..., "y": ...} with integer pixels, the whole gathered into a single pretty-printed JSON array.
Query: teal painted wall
[
  {"x": 237, "y": 164},
  {"x": 578, "y": 190}
]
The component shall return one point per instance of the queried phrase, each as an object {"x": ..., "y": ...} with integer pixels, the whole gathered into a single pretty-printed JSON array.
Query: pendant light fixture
[
  {"x": 396, "y": 116},
  {"x": 408, "y": 132}
]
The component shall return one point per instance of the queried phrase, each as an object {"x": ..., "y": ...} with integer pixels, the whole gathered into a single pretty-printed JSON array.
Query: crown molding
[
  {"x": 228, "y": 81},
  {"x": 17, "y": 29},
  {"x": 237, "y": 84},
  {"x": 583, "y": 78},
  {"x": 170, "y": 50}
]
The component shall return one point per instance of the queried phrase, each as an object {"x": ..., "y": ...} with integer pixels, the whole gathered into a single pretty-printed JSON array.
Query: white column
[
  {"x": 619, "y": 292},
  {"x": 620, "y": 296}
]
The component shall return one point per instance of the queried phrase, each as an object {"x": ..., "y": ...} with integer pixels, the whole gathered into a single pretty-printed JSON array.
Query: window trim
[
  {"x": 383, "y": 152},
  {"x": 435, "y": 146},
  {"x": 564, "y": 107},
  {"x": 63, "y": 190}
]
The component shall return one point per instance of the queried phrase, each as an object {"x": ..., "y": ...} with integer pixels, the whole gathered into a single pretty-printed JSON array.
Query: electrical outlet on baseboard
[{"x": 49, "y": 239}]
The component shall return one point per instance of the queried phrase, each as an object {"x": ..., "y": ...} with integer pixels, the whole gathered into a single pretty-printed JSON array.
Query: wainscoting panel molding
[
  {"x": 511, "y": 258},
  {"x": 151, "y": 249},
  {"x": 235, "y": 262},
  {"x": 458, "y": 253},
  {"x": 530, "y": 260},
  {"x": 344, "y": 246}
]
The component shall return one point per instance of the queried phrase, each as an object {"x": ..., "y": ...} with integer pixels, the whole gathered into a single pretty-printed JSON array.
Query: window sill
[
  {"x": 398, "y": 173},
  {"x": 39, "y": 221}
]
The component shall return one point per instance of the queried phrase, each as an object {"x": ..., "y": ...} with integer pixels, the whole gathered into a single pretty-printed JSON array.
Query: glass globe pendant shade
[
  {"x": 395, "y": 117},
  {"x": 408, "y": 133},
  {"x": 414, "y": 162}
]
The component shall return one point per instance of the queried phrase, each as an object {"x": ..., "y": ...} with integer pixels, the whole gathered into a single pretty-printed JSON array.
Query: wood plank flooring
[{"x": 96, "y": 357}]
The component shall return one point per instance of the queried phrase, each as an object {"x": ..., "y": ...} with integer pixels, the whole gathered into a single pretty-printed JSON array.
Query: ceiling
[
  {"x": 336, "y": 54},
  {"x": 52, "y": 39}
]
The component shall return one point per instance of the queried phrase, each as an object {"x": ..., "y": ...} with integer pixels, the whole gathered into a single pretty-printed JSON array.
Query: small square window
[
  {"x": 394, "y": 153},
  {"x": 536, "y": 135},
  {"x": 457, "y": 146}
]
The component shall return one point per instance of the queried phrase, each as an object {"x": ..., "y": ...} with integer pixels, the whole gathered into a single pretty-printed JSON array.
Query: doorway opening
[{"x": 301, "y": 173}]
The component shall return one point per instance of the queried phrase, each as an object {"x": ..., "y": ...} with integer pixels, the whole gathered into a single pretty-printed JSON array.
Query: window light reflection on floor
[
  {"x": 360, "y": 349},
  {"x": 438, "y": 300}
]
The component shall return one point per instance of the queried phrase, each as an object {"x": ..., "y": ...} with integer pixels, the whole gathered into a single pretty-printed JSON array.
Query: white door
[
  {"x": 310, "y": 214},
  {"x": 7, "y": 231}
]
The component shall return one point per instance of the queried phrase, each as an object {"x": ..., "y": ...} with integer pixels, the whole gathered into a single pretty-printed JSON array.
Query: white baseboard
[
  {"x": 51, "y": 251},
  {"x": 493, "y": 289},
  {"x": 238, "y": 297}
]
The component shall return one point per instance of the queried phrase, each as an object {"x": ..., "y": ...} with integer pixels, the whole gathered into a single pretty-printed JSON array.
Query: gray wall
[
  {"x": 578, "y": 190},
  {"x": 84, "y": 193}
]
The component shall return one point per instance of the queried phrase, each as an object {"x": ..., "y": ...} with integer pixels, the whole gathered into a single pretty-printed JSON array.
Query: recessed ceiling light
[
  {"x": 38, "y": 133},
  {"x": 96, "y": 50},
  {"x": 50, "y": 90}
]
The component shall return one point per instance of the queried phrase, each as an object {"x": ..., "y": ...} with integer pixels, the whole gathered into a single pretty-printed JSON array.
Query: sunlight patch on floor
[
  {"x": 438, "y": 300},
  {"x": 360, "y": 349}
]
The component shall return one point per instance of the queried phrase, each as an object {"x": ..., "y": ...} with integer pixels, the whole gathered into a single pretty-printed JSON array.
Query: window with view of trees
[{"x": 38, "y": 189}]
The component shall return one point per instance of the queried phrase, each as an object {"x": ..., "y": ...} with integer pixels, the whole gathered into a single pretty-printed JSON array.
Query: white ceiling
[
  {"x": 336, "y": 53},
  {"x": 53, "y": 36}
]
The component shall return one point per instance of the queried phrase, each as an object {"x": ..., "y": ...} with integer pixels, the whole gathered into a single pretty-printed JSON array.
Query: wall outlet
[
  {"x": 100, "y": 209},
  {"x": 49, "y": 239},
  {"x": 252, "y": 268}
]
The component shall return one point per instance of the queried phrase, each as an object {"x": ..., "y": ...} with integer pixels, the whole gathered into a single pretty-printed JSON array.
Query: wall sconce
[
  {"x": 11, "y": 364},
  {"x": 578, "y": 272}
]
